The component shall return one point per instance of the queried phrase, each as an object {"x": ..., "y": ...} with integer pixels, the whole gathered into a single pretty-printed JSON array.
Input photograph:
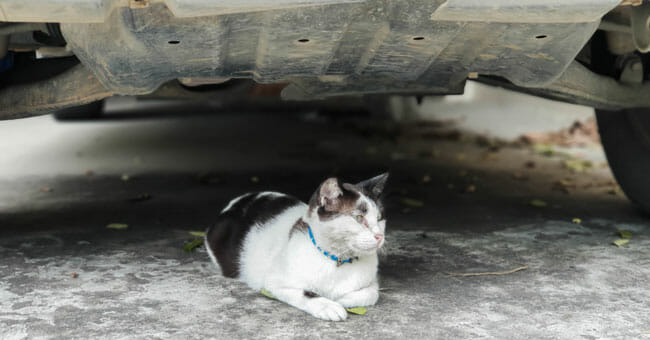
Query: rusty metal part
[{"x": 75, "y": 86}]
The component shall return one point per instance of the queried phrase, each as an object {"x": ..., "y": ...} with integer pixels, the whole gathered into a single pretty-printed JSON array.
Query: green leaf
[
  {"x": 538, "y": 203},
  {"x": 197, "y": 233},
  {"x": 357, "y": 310},
  {"x": 621, "y": 242},
  {"x": 267, "y": 293},
  {"x": 544, "y": 149},
  {"x": 117, "y": 226},
  {"x": 191, "y": 245},
  {"x": 577, "y": 165},
  {"x": 411, "y": 202},
  {"x": 625, "y": 234}
]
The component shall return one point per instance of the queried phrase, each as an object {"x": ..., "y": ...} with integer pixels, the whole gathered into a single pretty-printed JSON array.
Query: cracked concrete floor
[{"x": 65, "y": 276}]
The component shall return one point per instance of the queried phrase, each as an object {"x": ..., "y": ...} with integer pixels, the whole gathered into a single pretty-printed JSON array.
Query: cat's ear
[
  {"x": 373, "y": 187},
  {"x": 329, "y": 194}
]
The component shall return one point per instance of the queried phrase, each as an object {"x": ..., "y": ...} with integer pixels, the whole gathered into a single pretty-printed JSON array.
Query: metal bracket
[{"x": 640, "y": 21}]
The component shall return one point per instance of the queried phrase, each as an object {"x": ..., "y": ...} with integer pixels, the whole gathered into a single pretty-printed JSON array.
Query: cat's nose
[{"x": 379, "y": 237}]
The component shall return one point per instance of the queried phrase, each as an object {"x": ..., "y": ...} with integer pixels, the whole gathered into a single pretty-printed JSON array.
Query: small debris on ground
[
  {"x": 578, "y": 134},
  {"x": 621, "y": 242},
  {"x": 141, "y": 198},
  {"x": 625, "y": 234},
  {"x": 530, "y": 164},
  {"x": 489, "y": 273},
  {"x": 544, "y": 149},
  {"x": 74, "y": 275},
  {"x": 117, "y": 226},
  {"x": 538, "y": 203},
  {"x": 190, "y": 246},
  {"x": 411, "y": 202},
  {"x": 576, "y": 220},
  {"x": 45, "y": 189},
  {"x": 519, "y": 176},
  {"x": 577, "y": 165}
]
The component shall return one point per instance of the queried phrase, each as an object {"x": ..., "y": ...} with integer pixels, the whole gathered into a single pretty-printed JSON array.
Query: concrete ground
[{"x": 457, "y": 204}]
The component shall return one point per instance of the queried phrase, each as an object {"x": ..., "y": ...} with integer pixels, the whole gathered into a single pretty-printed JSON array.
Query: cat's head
[{"x": 349, "y": 218}]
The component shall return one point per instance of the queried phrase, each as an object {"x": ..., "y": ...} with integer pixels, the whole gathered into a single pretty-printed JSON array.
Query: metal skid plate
[{"x": 339, "y": 47}]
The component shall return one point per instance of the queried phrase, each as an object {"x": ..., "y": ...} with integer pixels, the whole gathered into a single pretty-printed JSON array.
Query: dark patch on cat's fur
[
  {"x": 346, "y": 203},
  {"x": 311, "y": 295},
  {"x": 299, "y": 227},
  {"x": 226, "y": 236}
]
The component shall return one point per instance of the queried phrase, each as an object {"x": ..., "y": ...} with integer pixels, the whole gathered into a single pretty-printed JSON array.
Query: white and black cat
[{"x": 319, "y": 257}]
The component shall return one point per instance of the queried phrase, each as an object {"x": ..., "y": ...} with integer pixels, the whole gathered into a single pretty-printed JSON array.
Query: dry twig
[{"x": 489, "y": 273}]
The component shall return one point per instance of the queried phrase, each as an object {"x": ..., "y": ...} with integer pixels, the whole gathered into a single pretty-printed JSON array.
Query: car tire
[
  {"x": 92, "y": 110},
  {"x": 625, "y": 136}
]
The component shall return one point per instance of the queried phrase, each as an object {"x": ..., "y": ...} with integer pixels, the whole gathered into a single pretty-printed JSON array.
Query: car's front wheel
[{"x": 626, "y": 139}]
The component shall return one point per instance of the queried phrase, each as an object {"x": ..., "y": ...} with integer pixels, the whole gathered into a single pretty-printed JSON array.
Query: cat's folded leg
[
  {"x": 317, "y": 306},
  {"x": 367, "y": 296}
]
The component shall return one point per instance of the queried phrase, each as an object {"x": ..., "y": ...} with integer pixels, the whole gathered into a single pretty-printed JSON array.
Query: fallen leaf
[
  {"x": 411, "y": 202},
  {"x": 197, "y": 233},
  {"x": 538, "y": 203},
  {"x": 190, "y": 246},
  {"x": 544, "y": 149},
  {"x": 578, "y": 166},
  {"x": 267, "y": 293},
  {"x": 576, "y": 220},
  {"x": 357, "y": 310},
  {"x": 117, "y": 226},
  {"x": 625, "y": 234},
  {"x": 621, "y": 242},
  {"x": 74, "y": 275}
]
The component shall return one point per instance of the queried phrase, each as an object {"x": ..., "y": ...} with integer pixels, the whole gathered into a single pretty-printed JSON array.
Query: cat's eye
[{"x": 359, "y": 218}]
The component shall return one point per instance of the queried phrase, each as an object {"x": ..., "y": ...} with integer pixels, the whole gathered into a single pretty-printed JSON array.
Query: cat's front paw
[
  {"x": 326, "y": 309},
  {"x": 358, "y": 298}
]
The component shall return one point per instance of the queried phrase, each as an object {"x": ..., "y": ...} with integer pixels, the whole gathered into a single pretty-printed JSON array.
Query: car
[{"x": 69, "y": 55}]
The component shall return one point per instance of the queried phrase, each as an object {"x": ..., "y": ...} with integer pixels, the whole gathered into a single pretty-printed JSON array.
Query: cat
[{"x": 319, "y": 257}]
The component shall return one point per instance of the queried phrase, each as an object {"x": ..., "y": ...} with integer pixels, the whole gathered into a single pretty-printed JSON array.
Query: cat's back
[{"x": 252, "y": 212}]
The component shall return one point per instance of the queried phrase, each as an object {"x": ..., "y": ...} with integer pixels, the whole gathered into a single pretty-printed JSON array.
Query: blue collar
[{"x": 327, "y": 254}]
